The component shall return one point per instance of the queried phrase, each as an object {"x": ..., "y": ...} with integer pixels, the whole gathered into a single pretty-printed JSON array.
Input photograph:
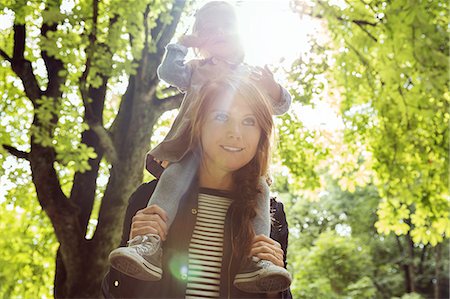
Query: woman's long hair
[{"x": 245, "y": 180}]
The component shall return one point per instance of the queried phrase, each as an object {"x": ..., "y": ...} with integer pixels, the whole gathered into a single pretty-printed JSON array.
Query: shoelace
[
  {"x": 144, "y": 245},
  {"x": 264, "y": 264}
]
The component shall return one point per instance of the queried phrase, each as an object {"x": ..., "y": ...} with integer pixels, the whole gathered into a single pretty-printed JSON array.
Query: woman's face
[{"x": 229, "y": 136}]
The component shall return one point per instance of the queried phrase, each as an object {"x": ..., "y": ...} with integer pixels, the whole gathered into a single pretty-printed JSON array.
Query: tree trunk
[
  {"x": 81, "y": 263},
  {"x": 437, "y": 263},
  {"x": 407, "y": 262},
  {"x": 130, "y": 137},
  {"x": 409, "y": 266}
]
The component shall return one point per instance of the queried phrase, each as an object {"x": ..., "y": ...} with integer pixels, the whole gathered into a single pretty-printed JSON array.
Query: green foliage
[
  {"x": 390, "y": 61},
  {"x": 306, "y": 75},
  {"x": 301, "y": 150},
  {"x": 337, "y": 267},
  {"x": 110, "y": 48},
  {"x": 27, "y": 240},
  {"x": 386, "y": 66},
  {"x": 350, "y": 215}
]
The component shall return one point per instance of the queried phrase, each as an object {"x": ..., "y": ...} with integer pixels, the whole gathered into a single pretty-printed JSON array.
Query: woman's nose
[{"x": 234, "y": 130}]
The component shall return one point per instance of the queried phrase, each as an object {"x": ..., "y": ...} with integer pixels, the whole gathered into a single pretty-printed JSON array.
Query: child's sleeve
[
  {"x": 173, "y": 70},
  {"x": 282, "y": 106}
]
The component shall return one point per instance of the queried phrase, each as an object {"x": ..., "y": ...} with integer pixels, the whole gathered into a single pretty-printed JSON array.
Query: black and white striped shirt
[{"x": 206, "y": 246}]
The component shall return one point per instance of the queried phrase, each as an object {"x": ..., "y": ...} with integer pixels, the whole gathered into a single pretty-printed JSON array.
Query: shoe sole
[
  {"x": 255, "y": 283},
  {"x": 134, "y": 265}
]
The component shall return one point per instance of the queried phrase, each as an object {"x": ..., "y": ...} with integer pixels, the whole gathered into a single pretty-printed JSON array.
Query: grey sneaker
[
  {"x": 261, "y": 276},
  {"x": 142, "y": 259}
]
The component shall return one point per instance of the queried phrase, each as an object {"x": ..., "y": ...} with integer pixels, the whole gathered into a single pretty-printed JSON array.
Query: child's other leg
[
  {"x": 261, "y": 276},
  {"x": 262, "y": 222}
]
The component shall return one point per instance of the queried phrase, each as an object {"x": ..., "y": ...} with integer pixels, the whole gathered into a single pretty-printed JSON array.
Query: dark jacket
[{"x": 175, "y": 252}]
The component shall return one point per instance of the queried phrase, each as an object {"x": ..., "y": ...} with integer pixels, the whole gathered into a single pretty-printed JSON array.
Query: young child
[{"x": 216, "y": 40}]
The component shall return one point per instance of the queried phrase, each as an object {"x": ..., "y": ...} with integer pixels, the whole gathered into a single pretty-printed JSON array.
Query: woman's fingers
[
  {"x": 148, "y": 224},
  {"x": 140, "y": 230},
  {"x": 151, "y": 220},
  {"x": 265, "y": 239},
  {"x": 154, "y": 209},
  {"x": 267, "y": 249}
]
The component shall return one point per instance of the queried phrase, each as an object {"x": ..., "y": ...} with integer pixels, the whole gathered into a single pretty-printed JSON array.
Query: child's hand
[
  {"x": 191, "y": 41},
  {"x": 264, "y": 76}
]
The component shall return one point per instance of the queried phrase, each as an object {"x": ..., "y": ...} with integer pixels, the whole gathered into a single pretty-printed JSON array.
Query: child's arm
[
  {"x": 281, "y": 99},
  {"x": 173, "y": 70}
]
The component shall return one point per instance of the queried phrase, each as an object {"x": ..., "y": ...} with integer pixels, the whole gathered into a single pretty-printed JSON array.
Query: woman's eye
[
  {"x": 249, "y": 121},
  {"x": 221, "y": 117}
]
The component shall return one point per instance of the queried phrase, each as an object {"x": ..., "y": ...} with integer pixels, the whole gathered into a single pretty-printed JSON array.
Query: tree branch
[
  {"x": 15, "y": 152},
  {"x": 22, "y": 67},
  {"x": 6, "y": 56},
  {"x": 85, "y": 184},
  {"x": 91, "y": 48},
  {"x": 359, "y": 23},
  {"x": 19, "y": 41},
  {"x": 162, "y": 33},
  {"x": 53, "y": 65},
  {"x": 106, "y": 142},
  {"x": 94, "y": 109},
  {"x": 363, "y": 22},
  {"x": 169, "y": 103},
  {"x": 146, "y": 28}
]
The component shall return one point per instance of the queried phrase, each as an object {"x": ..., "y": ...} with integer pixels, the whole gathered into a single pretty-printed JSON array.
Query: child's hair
[
  {"x": 246, "y": 180},
  {"x": 214, "y": 6},
  {"x": 205, "y": 9}
]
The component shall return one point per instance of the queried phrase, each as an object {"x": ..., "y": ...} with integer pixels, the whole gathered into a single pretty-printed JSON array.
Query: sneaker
[
  {"x": 261, "y": 276},
  {"x": 142, "y": 259}
]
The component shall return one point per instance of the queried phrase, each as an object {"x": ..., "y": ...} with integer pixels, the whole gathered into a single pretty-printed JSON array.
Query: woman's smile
[{"x": 232, "y": 149}]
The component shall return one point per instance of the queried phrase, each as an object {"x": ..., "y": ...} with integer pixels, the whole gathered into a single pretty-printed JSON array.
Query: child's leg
[
  {"x": 174, "y": 182},
  {"x": 261, "y": 223},
  {"x": 260, "y": 276},
  {"x": 142, "y": 259}
]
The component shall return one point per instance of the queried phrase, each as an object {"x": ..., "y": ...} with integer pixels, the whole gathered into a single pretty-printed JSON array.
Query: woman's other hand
[
  {"x": 267, "y": 249},
  {"x": 151, "y": 220}
]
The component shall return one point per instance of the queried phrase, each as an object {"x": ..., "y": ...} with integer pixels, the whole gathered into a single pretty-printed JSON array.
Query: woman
[{"x": 212, "y": 234}]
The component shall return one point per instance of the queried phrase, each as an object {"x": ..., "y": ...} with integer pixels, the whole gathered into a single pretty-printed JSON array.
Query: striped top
[{"x": 206, "y": 246}]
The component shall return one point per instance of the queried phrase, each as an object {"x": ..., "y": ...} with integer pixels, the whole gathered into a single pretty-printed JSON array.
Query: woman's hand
[
  {"x": 267, "y": 249},
  {"x": 151, "y": 220}
]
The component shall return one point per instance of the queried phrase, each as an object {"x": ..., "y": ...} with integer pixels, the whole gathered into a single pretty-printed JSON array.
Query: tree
[
  {"x": 389, "y": 65},
  {"x": 342, "y": 216},
  {"x": 334, "y": 267},
  {"x": 65, "y": 61}
]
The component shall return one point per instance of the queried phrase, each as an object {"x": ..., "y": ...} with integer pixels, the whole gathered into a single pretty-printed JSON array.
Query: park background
[{"x": 360, "y": 162}]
